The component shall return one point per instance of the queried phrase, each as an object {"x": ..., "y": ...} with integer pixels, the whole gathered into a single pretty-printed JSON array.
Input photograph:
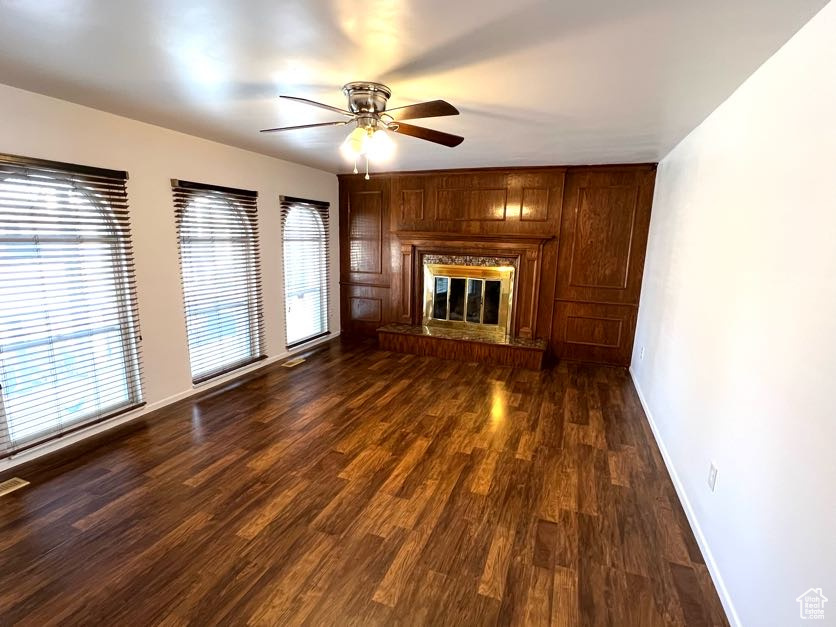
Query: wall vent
[{"x": 15, "y": 483}]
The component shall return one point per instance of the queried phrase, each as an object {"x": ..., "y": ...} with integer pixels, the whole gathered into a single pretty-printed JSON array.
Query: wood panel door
[
  {"x": 365, "y": 216},
  {"x": 365, "y": 276},
  {"x": 603, "y": 234}
]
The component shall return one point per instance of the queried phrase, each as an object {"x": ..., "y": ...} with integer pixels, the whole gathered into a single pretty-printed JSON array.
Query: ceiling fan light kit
[
  {"x": 367, "y": 111},
  {"x": 373, "y": 144}
]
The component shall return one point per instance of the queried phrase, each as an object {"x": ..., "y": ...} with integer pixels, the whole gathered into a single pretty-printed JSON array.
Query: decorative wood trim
[
  {"x": 646, "y": 165},
  {"x": 600, "y": 344},
  {"x": 613, "y": 346},
  {"x": 406, "y": 284},
  {"x": 471, "y": 190},
  {"x": 379, "y": 301},
  {"x": 380, "y": 232},
  {"x": 575, "y": 230},
  {"x": 365, "y": 284},
  {"x": 469, "y": 260},
  {"x": 438, "y": 236},
  {"x": 418, "y": 217},
  {"x": 623, "y": 196},
  {"x": 595, "y": 302},
  {"x": 522, "y": 204}
]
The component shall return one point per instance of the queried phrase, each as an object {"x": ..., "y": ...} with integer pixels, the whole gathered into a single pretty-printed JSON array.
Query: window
[
  {"x": 218, "y": 233},
  {"x": 305, "y": 243},
  {"x": 69, "y": 335}
]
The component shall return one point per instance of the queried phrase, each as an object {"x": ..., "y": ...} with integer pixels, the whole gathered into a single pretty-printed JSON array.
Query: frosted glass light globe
[
  {"x": 356, "y": 144},
  {"x": 380, "y": 146}
]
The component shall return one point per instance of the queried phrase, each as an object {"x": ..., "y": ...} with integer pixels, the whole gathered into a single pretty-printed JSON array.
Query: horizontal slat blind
[
  {"x": 217, "y": 229},
  {"x": 69, "y": 333},
  {"x": 306, "y": 261}
]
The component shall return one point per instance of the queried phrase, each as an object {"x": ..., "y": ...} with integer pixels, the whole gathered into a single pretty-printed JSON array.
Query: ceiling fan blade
[
  {"x": 446, "y": 139},
  {"x": 431, "y": 109},
  {"x": 321, "y": 105},
  {"x": 296, "y": 128}
]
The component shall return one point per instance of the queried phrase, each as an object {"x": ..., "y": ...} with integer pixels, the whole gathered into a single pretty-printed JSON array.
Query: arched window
[
  {"x": 68, "y": 324},
  {"x": 305, "y": 244},
  {"x": 218, "y": 234}
]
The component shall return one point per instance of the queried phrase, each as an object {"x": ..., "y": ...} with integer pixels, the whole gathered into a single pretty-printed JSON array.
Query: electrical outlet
[
  {"x": 712, "y": 476},
  {"x": 641, "y": 354}
]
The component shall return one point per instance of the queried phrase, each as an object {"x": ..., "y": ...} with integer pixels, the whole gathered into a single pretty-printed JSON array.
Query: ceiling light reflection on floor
[{"x": 499, "y": 404}]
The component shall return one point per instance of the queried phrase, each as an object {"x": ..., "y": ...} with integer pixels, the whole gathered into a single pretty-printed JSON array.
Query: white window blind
[
  {"x": 69, "y": 335},
  {"x": 306, "y": 262},
  {"x": 217, "y": 229}
]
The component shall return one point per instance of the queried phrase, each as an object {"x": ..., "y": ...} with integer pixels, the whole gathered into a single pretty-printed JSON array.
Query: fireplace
[
  {"x": 470, "y": 293},
  {"x": 467, "y": 296},
  {"x": 469, "y": 264}
]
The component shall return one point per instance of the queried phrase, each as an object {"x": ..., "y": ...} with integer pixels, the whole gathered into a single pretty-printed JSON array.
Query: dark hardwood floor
[{"x": 364, "y": 487}]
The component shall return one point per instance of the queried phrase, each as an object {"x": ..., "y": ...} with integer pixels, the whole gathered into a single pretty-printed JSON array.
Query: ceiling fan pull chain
[{"x": 367, "y": 167}]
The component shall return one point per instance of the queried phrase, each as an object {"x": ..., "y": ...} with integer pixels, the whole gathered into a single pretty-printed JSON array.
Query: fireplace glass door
[
  {"x": 476, "y": 298},
  {"x": 463, "y": 299},
  {"x": 457, "y": 287},
  {"x": 441, "y": 297}
]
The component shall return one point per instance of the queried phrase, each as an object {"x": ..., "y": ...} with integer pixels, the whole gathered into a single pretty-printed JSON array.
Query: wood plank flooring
[{"x": 364, "y": 488}]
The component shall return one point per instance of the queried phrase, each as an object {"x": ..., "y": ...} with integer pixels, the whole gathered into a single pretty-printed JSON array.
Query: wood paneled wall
[{"x": 578, "y": 235}]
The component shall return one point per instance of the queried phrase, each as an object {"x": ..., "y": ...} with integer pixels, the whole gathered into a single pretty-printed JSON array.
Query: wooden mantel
[{"x": 511, "y": 238}]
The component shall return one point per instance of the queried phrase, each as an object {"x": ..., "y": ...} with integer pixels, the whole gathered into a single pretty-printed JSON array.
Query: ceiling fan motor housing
[{"x": 366, "y": 97}]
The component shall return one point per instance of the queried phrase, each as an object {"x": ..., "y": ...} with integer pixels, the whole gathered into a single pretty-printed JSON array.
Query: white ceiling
[{"x": 537, "y": 82}]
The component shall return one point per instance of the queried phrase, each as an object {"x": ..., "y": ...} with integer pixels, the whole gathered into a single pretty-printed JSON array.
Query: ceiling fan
[{"x": 367, "y": 111}]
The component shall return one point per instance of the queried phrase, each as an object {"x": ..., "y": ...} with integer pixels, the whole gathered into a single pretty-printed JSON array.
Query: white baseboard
[
  {"x": 56, "y": 445},
  {"x": 716, "y": 577}
]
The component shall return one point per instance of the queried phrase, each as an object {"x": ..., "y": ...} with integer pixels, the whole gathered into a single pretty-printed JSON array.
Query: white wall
[
  {"x": 33, "y": 125},
  {"x": 738, "y": 323}
]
